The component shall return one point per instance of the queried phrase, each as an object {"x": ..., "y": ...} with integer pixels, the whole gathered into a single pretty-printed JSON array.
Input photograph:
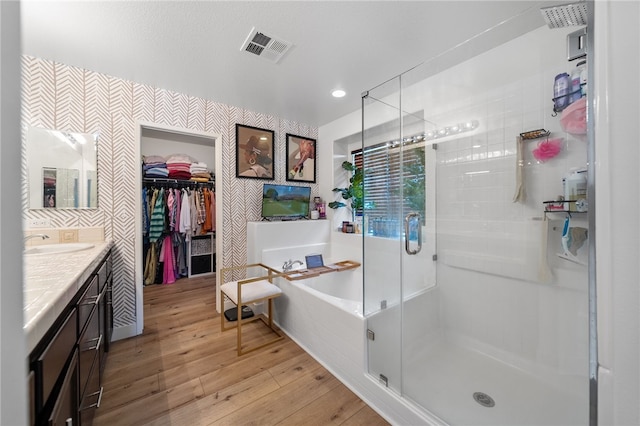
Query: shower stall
[{"x": 473, "y": 314}]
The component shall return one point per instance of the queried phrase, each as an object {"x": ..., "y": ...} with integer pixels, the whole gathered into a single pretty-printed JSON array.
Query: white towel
[{"x": 519, "y": 195}]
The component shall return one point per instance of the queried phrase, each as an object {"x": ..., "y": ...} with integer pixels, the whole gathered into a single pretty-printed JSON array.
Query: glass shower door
[{"x": 398, "y": 244}]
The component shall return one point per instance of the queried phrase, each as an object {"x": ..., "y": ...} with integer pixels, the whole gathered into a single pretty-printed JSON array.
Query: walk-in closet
[{"x": 178, "y": 206}]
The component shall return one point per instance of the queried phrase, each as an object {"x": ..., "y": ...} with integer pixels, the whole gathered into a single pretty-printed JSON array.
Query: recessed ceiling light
[{"x": 338, "y": 93}]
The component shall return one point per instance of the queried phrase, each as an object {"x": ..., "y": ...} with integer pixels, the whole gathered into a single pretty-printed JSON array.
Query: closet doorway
[{"x": 202, "y": 148}]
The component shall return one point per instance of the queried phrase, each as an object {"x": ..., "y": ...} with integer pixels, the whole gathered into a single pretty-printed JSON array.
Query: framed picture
[
  {"x": 254, "y": 152},
  {"x": 301, "y": 158}
]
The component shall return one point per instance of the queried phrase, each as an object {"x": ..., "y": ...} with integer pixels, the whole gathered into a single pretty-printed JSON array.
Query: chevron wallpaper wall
[{"x": 58, "y": 96}]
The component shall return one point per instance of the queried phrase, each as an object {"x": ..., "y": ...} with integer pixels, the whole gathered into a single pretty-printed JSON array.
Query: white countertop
[{"x": 50, "y": 282}]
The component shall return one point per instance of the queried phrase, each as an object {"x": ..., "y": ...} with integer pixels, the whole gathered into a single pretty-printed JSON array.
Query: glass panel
[
  {"x": 495, "y": 331},
  {"x": 382, "y": 230}
]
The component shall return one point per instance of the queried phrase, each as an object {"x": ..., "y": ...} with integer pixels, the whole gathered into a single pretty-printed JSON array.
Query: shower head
[{"x": 566, "y": 15}]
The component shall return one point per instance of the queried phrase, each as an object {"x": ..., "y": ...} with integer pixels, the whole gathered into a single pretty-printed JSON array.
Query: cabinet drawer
[
  {"x": 105, "y": 272},
  {"x": 102, "y": 276},
  {"x": 50, "y": 363},
  {"x": 88, "y": 347},
  {"x": 87, "y": 303},
  {"x": 64, "y": 410},
  {"x": 92, "y": 397}
]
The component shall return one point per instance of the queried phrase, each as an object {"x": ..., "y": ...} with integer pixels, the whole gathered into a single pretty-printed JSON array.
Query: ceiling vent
[{"x": 266, "y": 46}]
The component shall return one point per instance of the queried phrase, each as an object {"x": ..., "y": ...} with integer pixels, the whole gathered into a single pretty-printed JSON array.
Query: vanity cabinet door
[
  {"x": 65, "y": 408},
  {"x": 32, "y": 398}
]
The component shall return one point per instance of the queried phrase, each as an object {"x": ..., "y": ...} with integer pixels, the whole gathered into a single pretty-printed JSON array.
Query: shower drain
[{"x": 483, "y": 399}]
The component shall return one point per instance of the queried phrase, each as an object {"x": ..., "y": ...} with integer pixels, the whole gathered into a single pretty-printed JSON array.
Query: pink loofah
[{"x": 548, "y": 149}]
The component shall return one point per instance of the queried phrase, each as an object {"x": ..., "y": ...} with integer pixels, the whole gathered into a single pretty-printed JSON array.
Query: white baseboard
[{"x": 123, "y": 332}]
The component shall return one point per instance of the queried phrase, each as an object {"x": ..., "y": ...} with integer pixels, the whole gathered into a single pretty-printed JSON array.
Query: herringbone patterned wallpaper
[{"x": 57, "y": 96}]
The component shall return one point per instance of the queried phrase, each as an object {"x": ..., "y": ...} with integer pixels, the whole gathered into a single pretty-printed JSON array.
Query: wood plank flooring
[{"x": 183, "y": 371}]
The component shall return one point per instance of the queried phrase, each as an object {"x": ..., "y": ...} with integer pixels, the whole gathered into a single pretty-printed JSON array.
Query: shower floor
[{"x": 445, "y": 380}]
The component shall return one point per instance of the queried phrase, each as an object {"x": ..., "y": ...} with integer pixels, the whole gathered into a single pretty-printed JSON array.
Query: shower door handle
[{"x": 407, "y": 222}]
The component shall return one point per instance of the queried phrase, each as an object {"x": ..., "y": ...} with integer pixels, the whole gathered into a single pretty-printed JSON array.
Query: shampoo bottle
[{"x": 575, "y": 187}]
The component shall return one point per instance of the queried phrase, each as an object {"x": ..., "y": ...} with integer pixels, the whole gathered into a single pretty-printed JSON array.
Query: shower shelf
[{"x": 548, "y": 207}]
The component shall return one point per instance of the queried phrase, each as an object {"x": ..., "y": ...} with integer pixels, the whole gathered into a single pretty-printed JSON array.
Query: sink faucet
[
  {"x": 28, "y": 237},
  {"x": 288, "y": 265}
]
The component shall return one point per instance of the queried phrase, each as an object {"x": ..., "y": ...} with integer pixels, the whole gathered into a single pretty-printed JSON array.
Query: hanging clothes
[
  {"x": 207, "y": 226},
  {"x": 156, "y": 225},
  {"x": 168, "y": 276},
  {"x": 173, "y": 212},
  {"x": 185, "y": 214}
]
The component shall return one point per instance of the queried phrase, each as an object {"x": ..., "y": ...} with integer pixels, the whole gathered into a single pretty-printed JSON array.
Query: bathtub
[{"x": 324, "y": 316}]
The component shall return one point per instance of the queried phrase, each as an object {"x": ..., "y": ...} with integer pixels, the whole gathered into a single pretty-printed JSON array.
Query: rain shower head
[{"x": 566, "y": 15}]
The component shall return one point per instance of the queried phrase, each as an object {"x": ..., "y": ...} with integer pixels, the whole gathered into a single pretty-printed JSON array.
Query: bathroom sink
[{"x": 58, "y": 248}]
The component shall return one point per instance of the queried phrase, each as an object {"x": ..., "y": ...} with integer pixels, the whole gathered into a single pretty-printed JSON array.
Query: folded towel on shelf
[
  {"x": 179, "y": 174},
  {"x": 159, "y": 172},
  {"x": 179, "y": 158},
  {"x": 152, "y": 159},
  {"x": 146, "y": 167},
  {"x": 198, "y": 167},
  {"x": 200, "y": 179}
]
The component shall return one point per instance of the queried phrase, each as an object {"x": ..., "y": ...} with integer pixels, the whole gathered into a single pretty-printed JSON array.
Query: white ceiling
[{"x": 194, "y": 47}]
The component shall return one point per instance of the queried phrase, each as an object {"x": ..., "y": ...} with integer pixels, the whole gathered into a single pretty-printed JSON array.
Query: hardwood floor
[{"x": 183, "y": 371}]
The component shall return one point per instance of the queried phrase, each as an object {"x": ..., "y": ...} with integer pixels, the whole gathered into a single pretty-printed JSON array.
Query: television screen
[{"x": 285, "y": 201}]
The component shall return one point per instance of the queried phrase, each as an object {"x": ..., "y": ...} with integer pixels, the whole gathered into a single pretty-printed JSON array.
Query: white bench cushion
[{"x": 251, "y": 291}]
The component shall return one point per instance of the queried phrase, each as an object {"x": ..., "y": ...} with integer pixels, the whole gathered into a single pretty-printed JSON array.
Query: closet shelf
[{"x": 180, "y": 182}]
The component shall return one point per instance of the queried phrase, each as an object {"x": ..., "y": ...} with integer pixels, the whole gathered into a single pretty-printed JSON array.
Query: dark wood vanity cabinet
[{"x": 67, "y": 364}]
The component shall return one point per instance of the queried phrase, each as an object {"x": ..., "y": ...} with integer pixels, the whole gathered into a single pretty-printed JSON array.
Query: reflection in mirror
[{"x": 61, "y": 169}]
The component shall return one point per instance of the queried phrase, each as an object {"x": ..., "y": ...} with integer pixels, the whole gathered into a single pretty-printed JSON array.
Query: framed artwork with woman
[
  {"x": 301, "y": 159},
  {"x": 254, "y": 152}
]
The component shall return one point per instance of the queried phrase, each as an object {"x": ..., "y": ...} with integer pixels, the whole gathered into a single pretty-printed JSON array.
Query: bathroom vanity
[{"x": 68, "y": 325}]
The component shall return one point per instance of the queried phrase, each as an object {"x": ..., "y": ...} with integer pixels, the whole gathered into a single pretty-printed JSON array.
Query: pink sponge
[
  {"x": 547, "y": 149},
  {"x": 574, "y": 118}
]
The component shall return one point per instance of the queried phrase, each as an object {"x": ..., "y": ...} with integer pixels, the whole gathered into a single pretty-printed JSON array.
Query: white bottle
[
  {"x": 576, "y": 91},
  {"x": 575, "y": 187},
  {"x": 583, "y": 77}
]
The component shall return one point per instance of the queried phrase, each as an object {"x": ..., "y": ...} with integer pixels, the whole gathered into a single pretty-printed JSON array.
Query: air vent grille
[
  {"x": 265, "y": 46},
  {"x": 261, "y": 39},
  {"x": 254, "y": 48}
]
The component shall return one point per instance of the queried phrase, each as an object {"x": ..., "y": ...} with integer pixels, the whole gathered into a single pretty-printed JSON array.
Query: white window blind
[{"x": 394, "y": 185}]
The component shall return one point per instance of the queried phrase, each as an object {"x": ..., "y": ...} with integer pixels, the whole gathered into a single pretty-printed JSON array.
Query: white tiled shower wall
[
  {"x": 491, "y": 293},
  {"x": 490, "y": 248}
]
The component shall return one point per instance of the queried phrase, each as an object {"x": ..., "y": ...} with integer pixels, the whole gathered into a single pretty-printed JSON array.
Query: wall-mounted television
[{"x": 285, "y": 202}]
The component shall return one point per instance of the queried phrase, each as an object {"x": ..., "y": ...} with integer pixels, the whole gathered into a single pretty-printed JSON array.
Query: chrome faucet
[
  {"x": 288, "y": 265},
  {"x": 28, "y": 237}
]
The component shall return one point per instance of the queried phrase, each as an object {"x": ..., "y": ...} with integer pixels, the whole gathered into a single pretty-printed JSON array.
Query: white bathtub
[{"x": 323, "y": 315}]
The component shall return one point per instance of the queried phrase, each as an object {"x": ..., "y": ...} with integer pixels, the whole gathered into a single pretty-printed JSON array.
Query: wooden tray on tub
[{"x": 314, "y": 272}]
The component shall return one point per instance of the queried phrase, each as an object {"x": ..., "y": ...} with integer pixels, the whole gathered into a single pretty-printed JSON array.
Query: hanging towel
[{"x": 519, "y": 195}]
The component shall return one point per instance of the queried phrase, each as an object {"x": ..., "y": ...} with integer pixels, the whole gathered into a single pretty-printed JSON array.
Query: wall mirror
[{"x": 62, "y": 169}]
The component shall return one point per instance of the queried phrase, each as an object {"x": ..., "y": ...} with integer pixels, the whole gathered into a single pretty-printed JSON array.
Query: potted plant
[{"x": 354, "y": 192}]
